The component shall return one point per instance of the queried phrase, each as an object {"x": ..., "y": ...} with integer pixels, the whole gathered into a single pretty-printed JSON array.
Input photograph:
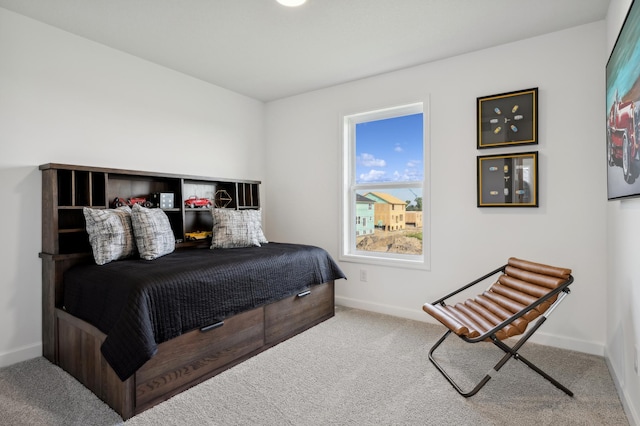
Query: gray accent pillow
[
  {"x": 237, "y": 228},
  {"x": 153, "y": 232},
  {"x": 110, "y": 233}
]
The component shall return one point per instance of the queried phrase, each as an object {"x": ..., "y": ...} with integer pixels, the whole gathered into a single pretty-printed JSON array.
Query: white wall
[
  {"x": 65, "y": 99},
  {"x": 623, "y": 234},
  {"x": 568, "y": 229}
]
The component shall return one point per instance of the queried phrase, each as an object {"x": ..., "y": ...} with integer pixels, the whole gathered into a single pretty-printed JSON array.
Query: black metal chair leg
[
  {"x": 509, "y": 352},
  {"x": 480, "y": 384},
  {"x": 513, "y": 351},
  {"x": 543, "y": 374}
]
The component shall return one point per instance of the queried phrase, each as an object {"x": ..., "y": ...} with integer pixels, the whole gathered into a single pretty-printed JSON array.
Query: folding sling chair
[{"x": 523, "y": 292}]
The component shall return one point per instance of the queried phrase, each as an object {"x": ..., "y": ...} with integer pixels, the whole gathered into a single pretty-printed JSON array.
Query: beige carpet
[{"x": 359, "y": 368}]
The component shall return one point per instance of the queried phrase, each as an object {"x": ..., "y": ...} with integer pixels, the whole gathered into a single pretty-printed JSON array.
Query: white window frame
[{"x": 348, "y": 252}]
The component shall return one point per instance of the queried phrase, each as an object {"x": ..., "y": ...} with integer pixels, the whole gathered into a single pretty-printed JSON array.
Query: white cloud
[
  {"x": 372, "y": 176},
  {"x": 369, "y": 160},
  {"x": 398, "y": 148},
  {"x": 408, "y": 175}
]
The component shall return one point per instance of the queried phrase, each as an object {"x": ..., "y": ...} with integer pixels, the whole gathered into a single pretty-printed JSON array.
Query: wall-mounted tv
[{"x": 623, "y": 110}]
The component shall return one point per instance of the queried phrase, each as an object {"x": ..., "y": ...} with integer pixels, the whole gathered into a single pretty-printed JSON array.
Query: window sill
[{"x": 398, "y": 261}]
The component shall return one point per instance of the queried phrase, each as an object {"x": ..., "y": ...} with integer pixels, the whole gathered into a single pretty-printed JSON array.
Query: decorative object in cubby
[{"x": 222, "y": 198}]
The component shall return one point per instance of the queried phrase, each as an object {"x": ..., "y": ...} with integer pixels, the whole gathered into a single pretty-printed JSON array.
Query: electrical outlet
[{"x": 363, "y": 275}]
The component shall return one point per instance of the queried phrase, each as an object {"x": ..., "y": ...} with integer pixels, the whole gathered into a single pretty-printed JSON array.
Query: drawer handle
[
  {"x": 304, "y": 293},
  {"x": 212, "y": 326}
]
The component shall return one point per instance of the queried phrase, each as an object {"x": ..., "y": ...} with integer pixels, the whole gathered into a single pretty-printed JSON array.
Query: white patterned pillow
[
  {"x": 237, "y": 228},
  {"x": 110, "y": 233},
  {"x": 153, "y": 232}
]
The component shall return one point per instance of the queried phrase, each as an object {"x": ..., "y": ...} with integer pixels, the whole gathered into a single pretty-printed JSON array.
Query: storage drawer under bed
[
  {"x": 297, "y": 313},
  {"x": 198, "y": 353}
]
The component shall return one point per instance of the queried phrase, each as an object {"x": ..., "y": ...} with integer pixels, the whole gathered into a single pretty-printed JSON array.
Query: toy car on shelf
[
  {"x": 193, "y": 202},
  {"x": 197, "y": 235},
  {"x": 120, "y": 202}
]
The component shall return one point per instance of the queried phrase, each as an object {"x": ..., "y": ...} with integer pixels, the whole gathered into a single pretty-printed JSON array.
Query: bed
[{"x": 137, "y": 332}]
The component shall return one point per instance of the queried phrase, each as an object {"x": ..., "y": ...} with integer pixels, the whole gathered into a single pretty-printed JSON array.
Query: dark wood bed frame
[{"x": 180, "y": 363}]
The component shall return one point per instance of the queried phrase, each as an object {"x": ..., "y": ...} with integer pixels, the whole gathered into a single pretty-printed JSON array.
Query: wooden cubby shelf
[{"x": 68, "y": 188}]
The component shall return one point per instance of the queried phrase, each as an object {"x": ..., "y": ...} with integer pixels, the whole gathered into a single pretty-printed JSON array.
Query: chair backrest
[{"x": 522, "y": 284}]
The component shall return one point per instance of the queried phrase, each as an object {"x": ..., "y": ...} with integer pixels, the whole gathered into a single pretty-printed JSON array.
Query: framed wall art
[
  {"x": 623, "y": 109},
  {"x": 508, "y": 180},
  {"x": 508, "y": 119}
]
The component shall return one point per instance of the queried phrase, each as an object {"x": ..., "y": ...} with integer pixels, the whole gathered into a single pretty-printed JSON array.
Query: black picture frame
[
  {"x": 508, "y": 119},
  {"x": 623, "y": 110},
  {"x": 508, "y": 180}
]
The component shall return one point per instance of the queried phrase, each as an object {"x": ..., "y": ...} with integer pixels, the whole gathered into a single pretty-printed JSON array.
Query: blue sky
[{"x": 391, "y": 150}]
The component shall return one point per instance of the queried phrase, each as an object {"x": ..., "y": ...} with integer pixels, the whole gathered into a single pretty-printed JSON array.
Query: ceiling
[{"x": 267, "y": 51}]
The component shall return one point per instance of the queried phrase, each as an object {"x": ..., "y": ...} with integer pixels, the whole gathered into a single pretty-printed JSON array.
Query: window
[{"x": 383, "y": 191}]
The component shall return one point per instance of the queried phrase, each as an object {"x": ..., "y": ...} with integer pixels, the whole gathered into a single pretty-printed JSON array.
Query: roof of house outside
[
  {"x": 384, "y": 197},
  {"x": 363, "y": 199}
]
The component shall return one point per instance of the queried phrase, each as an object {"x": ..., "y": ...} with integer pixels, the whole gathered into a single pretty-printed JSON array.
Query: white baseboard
[
  {"x": 20, "y": 354},
  {"x": 414, "y": 314},
  {"x": 563, "y": 342},
  {"x": 632, "y": 415},
  {"x": 418, "y": 314}
]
